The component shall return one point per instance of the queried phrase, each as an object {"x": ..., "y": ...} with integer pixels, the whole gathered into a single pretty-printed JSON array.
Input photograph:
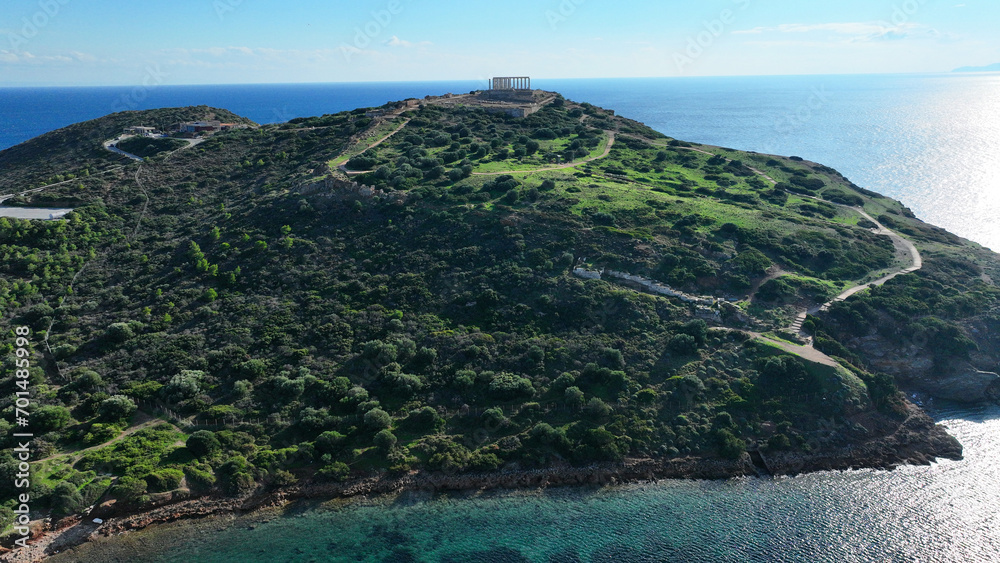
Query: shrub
[
  {"x": 573, "y": 396},
  {"x": 336, "y": 471},
  {"x": 50, "y": 418},
  {"x": 130, "y": 488},
  {"x": 385, "y": 440},
  {"x": 117, "y": 408},
  {"x": 378, "y": 419},
  {"x": 683, "y": 344},
  {"x": 164, "y": 480},
  {"x": 119, "y": 332},
  {"x": 507, "y": 386},
  {"x": 596, "y": 408},
  {"x": 199, "y": 477},
  {"x": 330, "y": 441},
  {"x": 100, "y": 433},
  {"x": 730, "y": 447},
  {"x": 203, "y": 443}
]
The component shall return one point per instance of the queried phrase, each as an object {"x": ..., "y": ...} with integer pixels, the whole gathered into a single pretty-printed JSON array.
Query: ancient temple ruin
[{"x": 510, "y": 83}]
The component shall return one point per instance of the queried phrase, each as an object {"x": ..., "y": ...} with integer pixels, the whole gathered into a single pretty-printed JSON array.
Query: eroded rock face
[
  {"x": 914, "y": 369},
  {"x": 967, "y": 385}
]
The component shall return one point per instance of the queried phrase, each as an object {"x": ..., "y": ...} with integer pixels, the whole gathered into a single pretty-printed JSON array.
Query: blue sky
[{"x": 126, "y": 42}]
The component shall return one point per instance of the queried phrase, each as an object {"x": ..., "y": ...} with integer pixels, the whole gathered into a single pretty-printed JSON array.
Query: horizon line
[{"x": 454, "y": 80}]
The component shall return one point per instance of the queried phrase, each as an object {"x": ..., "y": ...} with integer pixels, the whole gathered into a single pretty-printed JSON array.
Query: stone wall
[{"x": 510, "y": 96}]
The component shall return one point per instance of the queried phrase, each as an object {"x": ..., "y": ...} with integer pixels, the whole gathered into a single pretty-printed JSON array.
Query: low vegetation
[{"x": 286, "y": 333}]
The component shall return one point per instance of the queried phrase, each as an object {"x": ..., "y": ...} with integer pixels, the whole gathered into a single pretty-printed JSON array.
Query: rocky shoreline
[{"x": 917, "y": 440}]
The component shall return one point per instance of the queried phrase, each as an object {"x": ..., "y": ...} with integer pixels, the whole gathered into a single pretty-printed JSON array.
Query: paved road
[{"x": 110, "y": 145}]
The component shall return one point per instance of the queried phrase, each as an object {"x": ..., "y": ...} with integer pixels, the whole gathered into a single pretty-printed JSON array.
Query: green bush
[
  {"x": 203, "y": 443},
  {"x": 336, "y": 471},
  {"x": 506, "y": 386},
  {"x": 378, "y": 419}
]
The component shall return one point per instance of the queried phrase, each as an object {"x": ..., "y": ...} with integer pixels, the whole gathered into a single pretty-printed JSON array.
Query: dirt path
[
  {"x": 916, "y": 261},
  {"x": 147, "y": 421},
  {"x": 607, "y": 151},
  {"x": 343, "y": 167},
  {"x": 78, "y": 179},
  {"x": 805, "y": 351},
  {"x": 774, "y": 272}
]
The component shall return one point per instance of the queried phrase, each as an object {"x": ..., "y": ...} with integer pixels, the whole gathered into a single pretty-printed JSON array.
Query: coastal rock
[
  {"x": 966, "y": 384},
  {"x": 915, "y": 440},
  {"x": 915, "y": 370}
]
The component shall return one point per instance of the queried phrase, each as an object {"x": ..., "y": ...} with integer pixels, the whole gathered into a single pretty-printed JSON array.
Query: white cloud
[
  {"x": 395, "y": 41},
  {"x": 27, "y": 57},
  {"x": 852, "y": 31}
]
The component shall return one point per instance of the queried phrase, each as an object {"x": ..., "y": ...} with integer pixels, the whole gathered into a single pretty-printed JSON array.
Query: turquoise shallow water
[{"x": 947, "y": 512}]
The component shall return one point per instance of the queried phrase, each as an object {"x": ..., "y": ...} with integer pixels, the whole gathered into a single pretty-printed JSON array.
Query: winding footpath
[
  {"x": 916, "y": 263},
  {"x": 343, "y": 167},
  {"x": 916, "y": 260}
]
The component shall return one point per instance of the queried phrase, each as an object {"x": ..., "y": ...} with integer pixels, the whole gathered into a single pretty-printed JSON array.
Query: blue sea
[
  {"x": 932, "y": 141},
  {"x": 947, "y": 512}
]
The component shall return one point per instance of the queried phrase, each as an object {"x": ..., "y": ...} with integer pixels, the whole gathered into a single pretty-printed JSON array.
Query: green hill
[{"x": 443, "y": 313}]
